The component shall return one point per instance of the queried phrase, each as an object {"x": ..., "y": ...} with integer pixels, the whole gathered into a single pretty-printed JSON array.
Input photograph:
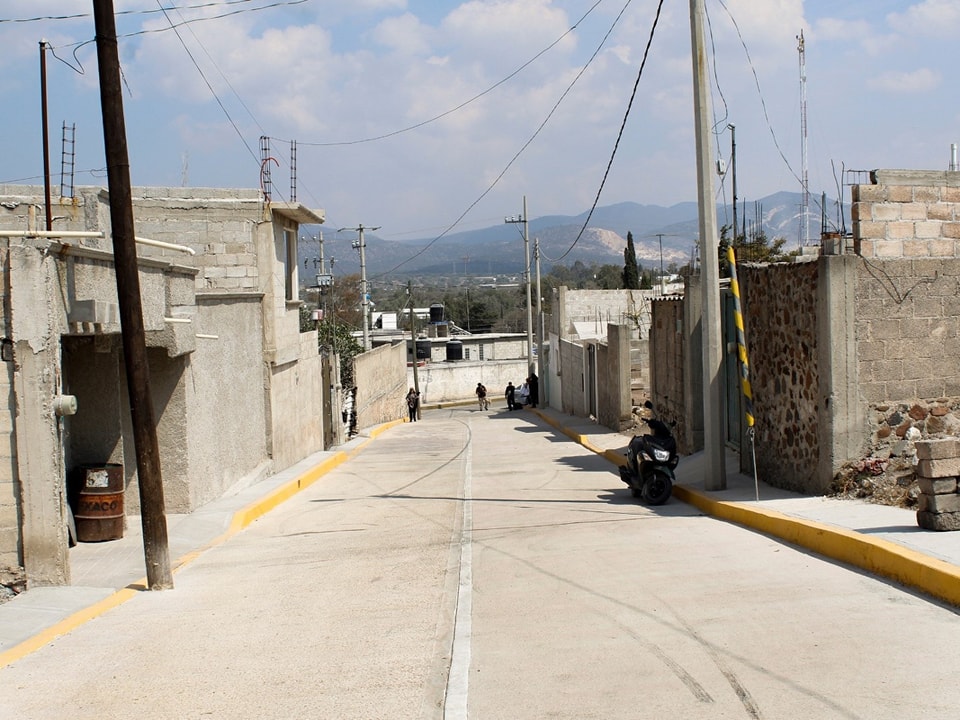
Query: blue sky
[{"x": 333, "y": 74}]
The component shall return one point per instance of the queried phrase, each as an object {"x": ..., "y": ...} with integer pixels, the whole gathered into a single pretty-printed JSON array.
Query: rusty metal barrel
[{"x": 98, "y": 502}]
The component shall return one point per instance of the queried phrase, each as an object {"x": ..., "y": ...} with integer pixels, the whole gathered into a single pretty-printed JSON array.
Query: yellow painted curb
[
  {"x": 935, "y": 577},
  {"x": 932, "y": 576}
]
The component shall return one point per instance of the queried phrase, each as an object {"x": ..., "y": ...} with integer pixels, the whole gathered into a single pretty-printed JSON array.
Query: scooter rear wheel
[{"x": 657, "y": 489}]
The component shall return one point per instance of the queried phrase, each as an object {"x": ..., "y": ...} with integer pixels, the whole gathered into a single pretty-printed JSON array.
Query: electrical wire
[
  {"x": 465, "y": 102},
  {"x": 763, "y": 103},
  {"x": 623, "y": 125},
  {"x": 124, "y": 12},
  {"x": 533, "y": 137},
  {"x": 209, "y": 86}
]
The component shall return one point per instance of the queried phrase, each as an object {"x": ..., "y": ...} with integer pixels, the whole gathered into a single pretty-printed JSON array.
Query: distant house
[{"x": 237, "y": 389}]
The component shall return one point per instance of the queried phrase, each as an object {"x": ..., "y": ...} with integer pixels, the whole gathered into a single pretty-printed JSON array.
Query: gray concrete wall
[
  {"x": 381, "y": 378},
  {"x": 227, "y": 443},
  {"x": 442, "y": 382},
  {"x": 573, "y": 393},
  {"x": 613, "y": 384},
  {"x": 668, "y": 343},
  {"x": 67, "y": 290}
]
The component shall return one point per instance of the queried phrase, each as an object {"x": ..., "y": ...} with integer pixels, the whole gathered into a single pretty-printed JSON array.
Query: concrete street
[{"x": 481, "y": 564}]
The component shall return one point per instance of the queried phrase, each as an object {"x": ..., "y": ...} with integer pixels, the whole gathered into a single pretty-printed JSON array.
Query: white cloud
[
  {"x": 404, "y": 34},
  {"x": 938, "y": 18},
  {"x": 919, "y": 81}
]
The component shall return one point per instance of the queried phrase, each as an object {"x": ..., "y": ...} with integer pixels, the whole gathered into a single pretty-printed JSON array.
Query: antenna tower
[{"x": 805, "y": 208}]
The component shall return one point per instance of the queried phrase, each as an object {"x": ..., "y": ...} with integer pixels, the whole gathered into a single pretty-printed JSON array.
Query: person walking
[
  {"x": 482, "y": 397},
  {"x": 510, "y": 395},
  {"x": 413, "y": 404},
  {"x": 534, "y": 383}
]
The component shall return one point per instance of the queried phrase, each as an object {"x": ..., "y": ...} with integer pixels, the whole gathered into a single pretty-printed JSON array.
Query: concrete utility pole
[
  {"x": 536, "y": 256},
  {"x": 360, "y": 245},
  {"x": 715, "y": 477},
  {"x": 413, "y": 340},
  {"x": 531, "y": 367},
  {"x": 156, "y": 549},
  {"x": 733, "y": 171}
]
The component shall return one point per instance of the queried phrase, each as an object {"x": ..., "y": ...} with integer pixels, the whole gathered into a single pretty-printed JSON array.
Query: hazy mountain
[{"x": 498, "y": 250}]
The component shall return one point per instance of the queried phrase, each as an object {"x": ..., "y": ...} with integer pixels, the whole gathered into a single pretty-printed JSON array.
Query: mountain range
[{"x": 660, "y": 234}]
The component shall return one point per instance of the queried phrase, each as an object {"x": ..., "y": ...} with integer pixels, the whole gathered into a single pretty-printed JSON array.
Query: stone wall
[{"x": 780, "y": 304}]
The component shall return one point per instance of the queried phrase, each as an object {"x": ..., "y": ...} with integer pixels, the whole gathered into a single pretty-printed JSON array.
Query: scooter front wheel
[{"x": 657, "y": 489}]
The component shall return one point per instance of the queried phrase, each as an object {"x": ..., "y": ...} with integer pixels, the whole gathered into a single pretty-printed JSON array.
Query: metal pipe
[{"x": 84, "y": 234}]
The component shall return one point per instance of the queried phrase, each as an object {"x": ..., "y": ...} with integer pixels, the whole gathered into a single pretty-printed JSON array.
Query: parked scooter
[{"x": 651, "y": 460}]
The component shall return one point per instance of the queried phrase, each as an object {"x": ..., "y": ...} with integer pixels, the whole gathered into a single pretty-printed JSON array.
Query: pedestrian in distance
[
  {"x": 510, "y": 394},
  {"x": 413, "y": 404},
  {"x": 482, "y": 397}
]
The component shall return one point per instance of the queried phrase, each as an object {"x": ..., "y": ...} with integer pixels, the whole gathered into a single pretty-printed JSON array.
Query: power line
[
  {"x": 79, "y": 16},
  {"x": 464, "y": 103},
  {"x": 623, "y": 125},
  {"x": 209, "y": 86},
  {"x": 523, "y": 147}
]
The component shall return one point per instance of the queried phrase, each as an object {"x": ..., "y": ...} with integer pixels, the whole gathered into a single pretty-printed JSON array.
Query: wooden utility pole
[
  {"x": 714, "y": 470},
  {"x": 46, "y": 138},
  {"x": 155, "y": 547}
]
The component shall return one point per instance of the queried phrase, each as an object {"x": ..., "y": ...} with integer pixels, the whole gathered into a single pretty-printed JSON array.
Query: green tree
[
  {"x": 631, "y": 274},
  {"x": 336, "y": 338}
]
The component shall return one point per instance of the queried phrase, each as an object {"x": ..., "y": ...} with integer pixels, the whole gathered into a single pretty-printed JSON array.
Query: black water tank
[
  {"x": 423, "y": 349},
  {"x": 436, "y": 313},
  {"x": 454, "y": 350}
]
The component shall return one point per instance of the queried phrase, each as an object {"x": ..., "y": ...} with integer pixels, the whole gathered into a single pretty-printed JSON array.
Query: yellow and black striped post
[{"x": 744, "y": 362}]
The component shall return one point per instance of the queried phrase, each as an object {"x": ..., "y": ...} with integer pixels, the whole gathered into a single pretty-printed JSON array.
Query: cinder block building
[{"x": 237, "y": 389}]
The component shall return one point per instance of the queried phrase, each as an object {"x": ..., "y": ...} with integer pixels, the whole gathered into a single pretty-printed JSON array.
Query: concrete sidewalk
[{"x": 879, "y": 539}]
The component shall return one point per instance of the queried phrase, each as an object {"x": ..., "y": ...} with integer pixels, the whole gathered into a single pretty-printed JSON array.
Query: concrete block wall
[
  {"x": 908, "y": 329},
  {"x": 938, "y": 465},
  {"x": 220, "y": 225},
  {"x": 907, "y": 214}
]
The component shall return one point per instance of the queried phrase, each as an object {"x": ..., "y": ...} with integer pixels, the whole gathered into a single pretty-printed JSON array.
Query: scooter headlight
[{"x": 661, "y": 455}]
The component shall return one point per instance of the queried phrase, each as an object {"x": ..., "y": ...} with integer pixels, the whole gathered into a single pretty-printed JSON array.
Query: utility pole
[
  {"x": 536, "y": 256},
  {"x": 714, "y": 477},
  {"x": 152, "y": 513},
  {"x": 46, "y": 138},
  {"x": 805, "y": 210},
  {"x": 733, "y": 170},
  {"x": 660, "y": 242},
  {"x": 360, "y": 245},
  {"x": 526, "y": 274},
  {"x": 413, "y": 341}
]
